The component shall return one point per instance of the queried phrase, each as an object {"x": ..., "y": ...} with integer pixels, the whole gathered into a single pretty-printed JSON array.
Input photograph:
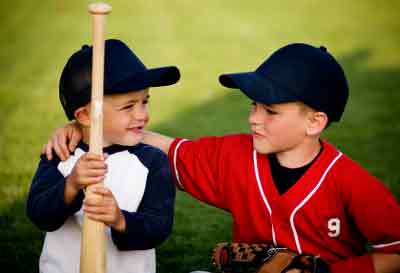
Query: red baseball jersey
[{"x": 333, "y": 210}]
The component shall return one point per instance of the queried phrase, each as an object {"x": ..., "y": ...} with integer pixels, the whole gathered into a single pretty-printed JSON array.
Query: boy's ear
[
  {"x": 317, "y": 123},
  {"x": 82, "y": 115}
]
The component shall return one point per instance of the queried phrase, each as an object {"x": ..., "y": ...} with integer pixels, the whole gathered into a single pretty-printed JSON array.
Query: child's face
[
  {"x": 277, "y": 127},
  {"x": 124, "y": 117}
]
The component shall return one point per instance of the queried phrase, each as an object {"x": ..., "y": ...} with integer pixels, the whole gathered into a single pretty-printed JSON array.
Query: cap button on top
[{"x": 323, "y": 48}]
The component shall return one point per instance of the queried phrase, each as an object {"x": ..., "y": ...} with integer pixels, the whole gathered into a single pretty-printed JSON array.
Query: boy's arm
[
  {"x": 376, "y": 213},
  {"x": 46, "y": 206},
  {"x": 370, "y": 263},
  {"x": 386, "y": 262},
  {"x": 157, "y": 140},
  {"x": 65, "y": 139},
  {"x": 152, "y": 223}
]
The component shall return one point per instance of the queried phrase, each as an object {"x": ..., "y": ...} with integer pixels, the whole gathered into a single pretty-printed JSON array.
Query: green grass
[{"x": 205, "y": 39}]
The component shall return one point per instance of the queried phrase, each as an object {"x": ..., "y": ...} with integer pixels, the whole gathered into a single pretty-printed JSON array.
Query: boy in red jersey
[{"x": 282, "y": 183}]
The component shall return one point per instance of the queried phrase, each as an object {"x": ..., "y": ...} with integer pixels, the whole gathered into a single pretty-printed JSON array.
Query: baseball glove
[{"x": 263, "y": 258}]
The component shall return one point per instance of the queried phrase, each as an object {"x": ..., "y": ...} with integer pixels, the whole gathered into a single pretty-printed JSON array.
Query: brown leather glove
[{"x": 263, "y": 258}]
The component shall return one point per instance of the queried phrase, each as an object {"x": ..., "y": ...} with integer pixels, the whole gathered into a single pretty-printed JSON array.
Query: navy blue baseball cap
[
  {"x": 123, "y": 72},
  {"x": 296, "y": 72}
]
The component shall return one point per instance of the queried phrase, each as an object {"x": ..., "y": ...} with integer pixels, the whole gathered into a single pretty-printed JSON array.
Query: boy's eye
[
  {"x": 145, "y": 101},
  {"x": 126, "y": 107},
  {"x": 270, "y": 111}
]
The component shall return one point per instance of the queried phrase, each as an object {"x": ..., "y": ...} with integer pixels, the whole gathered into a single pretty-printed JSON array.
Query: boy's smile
[{"x": 125, "y": 117}]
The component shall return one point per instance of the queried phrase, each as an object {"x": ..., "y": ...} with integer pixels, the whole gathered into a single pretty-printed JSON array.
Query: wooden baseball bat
[{"x": 93, "y": 253}]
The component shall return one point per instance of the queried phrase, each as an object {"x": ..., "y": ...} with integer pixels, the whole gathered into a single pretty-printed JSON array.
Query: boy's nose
[
  {"x": 141, "y": 113},
  {"x": 254, "y": 115}
]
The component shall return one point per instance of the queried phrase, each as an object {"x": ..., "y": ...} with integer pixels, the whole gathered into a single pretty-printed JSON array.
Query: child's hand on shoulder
[{"x": 100, "y": 205}]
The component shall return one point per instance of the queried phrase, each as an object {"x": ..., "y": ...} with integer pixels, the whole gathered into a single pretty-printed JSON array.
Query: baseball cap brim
[
  {"x": 258, "y": 88},
  {"x": 154, "y": 77}
]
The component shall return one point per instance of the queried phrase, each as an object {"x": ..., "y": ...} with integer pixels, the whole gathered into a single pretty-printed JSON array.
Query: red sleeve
[
  {"x": 372, "y": 207},
  {"x": 198, "y": 168}
]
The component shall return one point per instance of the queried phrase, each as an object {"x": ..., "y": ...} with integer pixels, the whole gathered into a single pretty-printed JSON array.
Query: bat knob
[{"x": 99, "y": 8}]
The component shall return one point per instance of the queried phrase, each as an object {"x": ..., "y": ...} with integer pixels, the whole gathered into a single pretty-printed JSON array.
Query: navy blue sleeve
[
  {"x": 45, "y": 205},
  {"x": 152, "y": 223}
]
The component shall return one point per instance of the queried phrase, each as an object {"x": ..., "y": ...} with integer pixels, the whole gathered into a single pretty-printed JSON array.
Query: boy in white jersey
[{"x": 138, "y": 196}]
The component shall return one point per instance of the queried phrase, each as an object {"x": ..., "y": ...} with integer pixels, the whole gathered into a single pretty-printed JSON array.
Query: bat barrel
[{"x": 99, "y": 8}]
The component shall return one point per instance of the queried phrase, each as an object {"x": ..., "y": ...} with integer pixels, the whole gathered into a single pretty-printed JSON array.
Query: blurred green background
[{"x": 204, "y": 38}]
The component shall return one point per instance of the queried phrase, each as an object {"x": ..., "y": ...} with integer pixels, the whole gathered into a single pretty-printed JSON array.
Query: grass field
[{"x": 204, "y": 38}]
